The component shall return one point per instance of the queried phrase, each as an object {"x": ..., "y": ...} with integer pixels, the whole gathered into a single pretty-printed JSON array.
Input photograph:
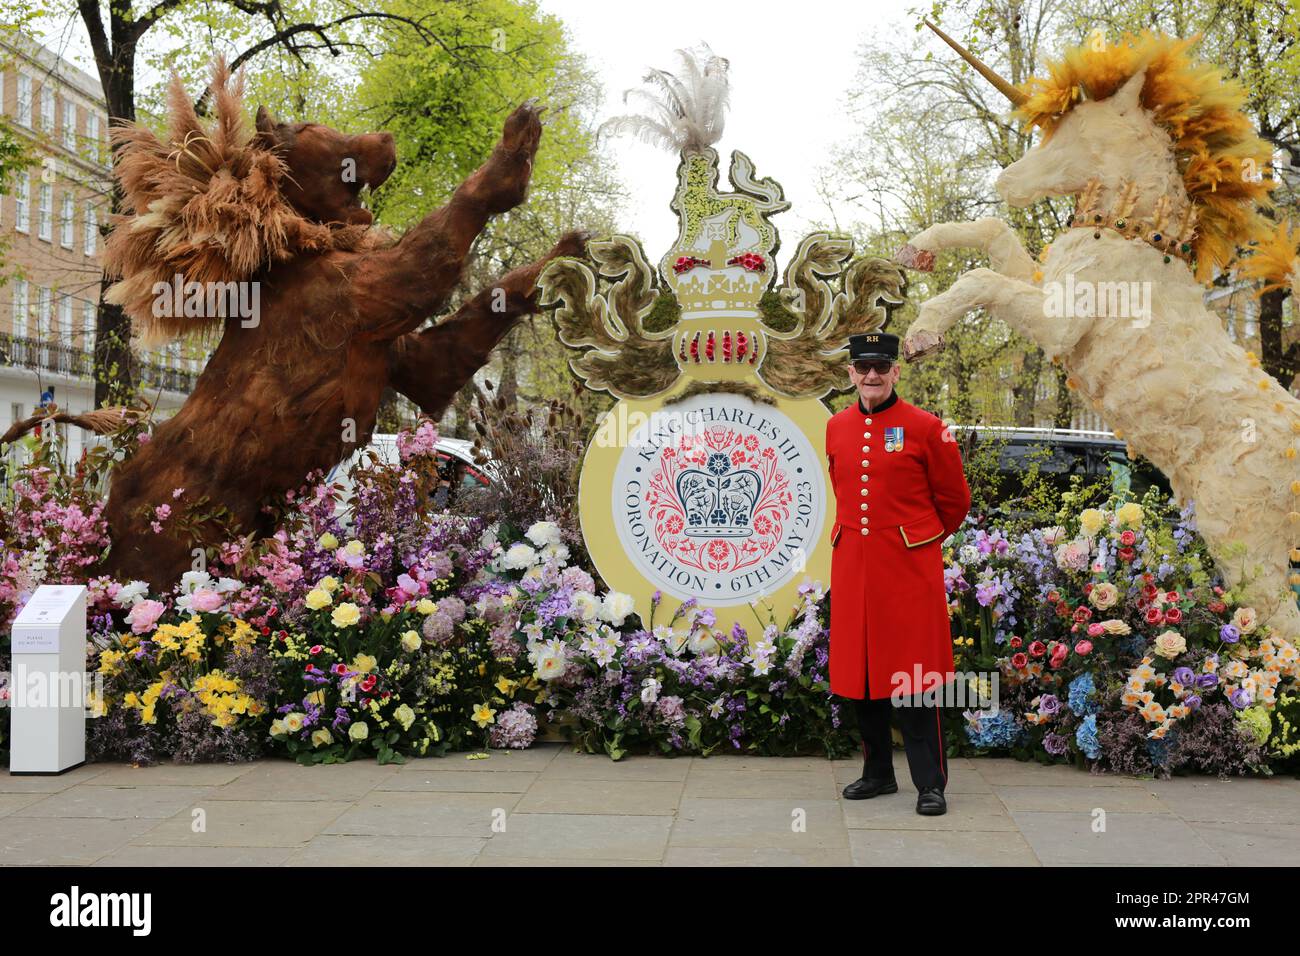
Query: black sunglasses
[{"x": 879, "y": 366}]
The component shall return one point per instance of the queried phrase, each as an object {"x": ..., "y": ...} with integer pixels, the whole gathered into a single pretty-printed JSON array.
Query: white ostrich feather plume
[{"x": 682, "y": 111}]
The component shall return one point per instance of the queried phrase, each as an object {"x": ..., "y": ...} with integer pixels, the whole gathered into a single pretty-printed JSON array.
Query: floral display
[{"x": 379, "y": 627}]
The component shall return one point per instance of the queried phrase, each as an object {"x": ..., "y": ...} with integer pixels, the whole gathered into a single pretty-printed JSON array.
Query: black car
[{"x": 1059, "y": 454}]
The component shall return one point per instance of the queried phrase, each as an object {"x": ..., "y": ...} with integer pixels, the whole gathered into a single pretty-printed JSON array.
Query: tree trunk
[
  {"x": 1064, "y": 400},
  {"x": 113, "y": 366},
  {"x": 1024, "y": 396},
  {"x": 1276, "y": 359}
]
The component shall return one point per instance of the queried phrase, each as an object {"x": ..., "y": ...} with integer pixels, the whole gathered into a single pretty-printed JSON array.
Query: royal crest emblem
[{"x": 706, "y": 482}]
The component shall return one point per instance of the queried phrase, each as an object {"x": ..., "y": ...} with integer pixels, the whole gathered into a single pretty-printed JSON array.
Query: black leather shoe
[
  {"x": 866, "y": 787},
  {"x": 930, "y": 802}
]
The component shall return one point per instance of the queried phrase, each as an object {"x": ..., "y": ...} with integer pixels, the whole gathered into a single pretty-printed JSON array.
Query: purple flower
[
  {"x": 1184, "y": 676},
  {"x": 1229, "y": 634},
  {"x": 1240, "y": 699},
  {"x": 1055, "y": 744},
  {"x": 987, "y": 592},
  {"x": 1049, "y": 704},
  {"x": 1193, "y": 701},
  {"x": 1207, "y": 681}
]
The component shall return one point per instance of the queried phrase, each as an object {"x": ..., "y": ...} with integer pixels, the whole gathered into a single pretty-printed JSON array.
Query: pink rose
[
  {"x": 1173, "y": 616},
  {"x": 1154, "y": 616},
  {"x": 205, "y": 599},
  {"x": 1059, "y": 653},
  {"x": 1095, "y": 630},
  {"x": 1128, "y": 539},
  {"x": 144, "y": 615},
  {"x": 1083, "y": 647}
]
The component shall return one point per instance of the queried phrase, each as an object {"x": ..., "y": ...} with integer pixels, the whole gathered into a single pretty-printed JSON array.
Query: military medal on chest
[
  {"x": 894, "y": 439},
  {"x": 707, "y": 481}
]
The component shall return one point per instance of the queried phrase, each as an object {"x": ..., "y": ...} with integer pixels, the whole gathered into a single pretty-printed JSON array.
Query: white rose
[
  {"x": 518, "y": 557},
  {"x": 616, "y": 607},
  {"x": 543, "y": 533},
  {"x": 587, "y": 606}
]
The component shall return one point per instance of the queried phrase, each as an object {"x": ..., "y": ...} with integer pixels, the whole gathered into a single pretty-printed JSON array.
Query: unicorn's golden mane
[
  {"x": 1221, "y": 157},
  {"x": 206, "y": 205}
]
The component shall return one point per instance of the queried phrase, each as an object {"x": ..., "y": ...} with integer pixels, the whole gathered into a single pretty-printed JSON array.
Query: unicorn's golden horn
[{"x": 1006, "y": 89}]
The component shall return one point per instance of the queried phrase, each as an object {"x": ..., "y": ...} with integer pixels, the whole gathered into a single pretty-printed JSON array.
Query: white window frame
[
  {"x": 92, "y": 136},
  {"x": 24, "y": 117},
  {"x": 45, "y": 212},
  {"x": 67, "y": 220},
  {"x": 20, "y": 306},
  {"x": 47, "y": 108},
  {"x": 65, "y": 319},
  {"x": 69, "y": 124},
  {"x": 23, "y": 202},
  {"x": 88, "y": 325},
  {"x": 44, "y": 308},
  {"x": 90, "y": 235}
]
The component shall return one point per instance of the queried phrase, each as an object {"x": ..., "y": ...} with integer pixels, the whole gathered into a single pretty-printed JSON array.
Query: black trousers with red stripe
[{"x": 922, "y": 729}]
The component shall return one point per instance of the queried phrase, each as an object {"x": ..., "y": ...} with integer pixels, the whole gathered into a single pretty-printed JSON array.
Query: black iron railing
[{"x": 47, "y": 356}]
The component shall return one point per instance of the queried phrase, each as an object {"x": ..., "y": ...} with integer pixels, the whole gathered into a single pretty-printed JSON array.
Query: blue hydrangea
[
  {"x": 1083, "y": 695},
  {"x": 1086, "y": 737},
  {"x": 994, "y": 731}
]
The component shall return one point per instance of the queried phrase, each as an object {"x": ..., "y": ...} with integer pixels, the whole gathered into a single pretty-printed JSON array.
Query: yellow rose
[
  {"x": 364, "y": 663},
  {"x": 1130, "y": 515},
  {"x": 328, "y": 583},
  {"x": 1091, "y": 521},
  {"x": 411, "y": 641},
  {"x": 322, "y": 737},
  {"x": 328, "y": 541},
  {"x": 278, "y": 728},
  {"x": 293, "y": 722},
  {"x": 354, "y": 548},
  {"x": 317, "y": 698},
  {"x": 1170, "y": 644},
  {"x": 1104, "y": 595},
  {"x": 359, "y": 730},
  {"x": 426, "y": 607},
  {"x": 345, "y": 615},
  {"x": 404, "y": 716},
  {"x": 318, "y": 598}
]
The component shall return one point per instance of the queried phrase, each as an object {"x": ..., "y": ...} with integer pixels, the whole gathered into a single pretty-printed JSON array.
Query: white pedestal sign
[{"x": 47, "y": 688}]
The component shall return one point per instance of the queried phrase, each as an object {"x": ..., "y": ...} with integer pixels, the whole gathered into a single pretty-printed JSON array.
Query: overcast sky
[{"x": 791, "y": 66}]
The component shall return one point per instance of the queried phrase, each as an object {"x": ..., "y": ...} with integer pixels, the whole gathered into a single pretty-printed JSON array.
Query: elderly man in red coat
[{"x": 899, "y": 491}]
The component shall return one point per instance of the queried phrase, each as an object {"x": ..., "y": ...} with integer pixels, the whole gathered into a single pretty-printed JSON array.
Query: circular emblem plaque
[{"x": 716, "y": 497}]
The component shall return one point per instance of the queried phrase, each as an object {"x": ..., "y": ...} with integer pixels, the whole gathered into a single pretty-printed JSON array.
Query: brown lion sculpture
[{"x": 297, "y": 386}]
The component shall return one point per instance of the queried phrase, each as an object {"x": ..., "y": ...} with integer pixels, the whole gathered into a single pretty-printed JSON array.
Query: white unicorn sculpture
[{"x": 1167, "y": 169}]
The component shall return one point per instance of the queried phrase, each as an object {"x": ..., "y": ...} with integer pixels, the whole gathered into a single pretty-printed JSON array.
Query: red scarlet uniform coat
[{"x": 893, "y": 507}]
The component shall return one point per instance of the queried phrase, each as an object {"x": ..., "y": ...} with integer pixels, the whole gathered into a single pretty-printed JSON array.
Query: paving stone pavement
[{"x": 548, "y": 806}]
